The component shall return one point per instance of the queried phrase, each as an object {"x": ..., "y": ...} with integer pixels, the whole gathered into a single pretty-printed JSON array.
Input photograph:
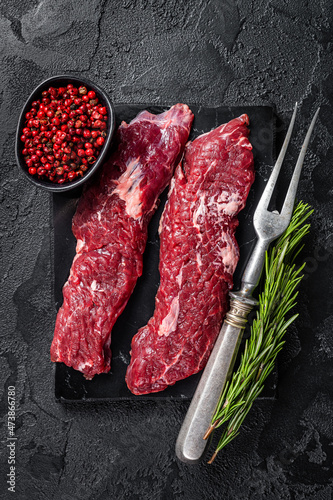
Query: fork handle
[
  {"x": 254, "y": 266},
  {"x": 190, "y": 444}
]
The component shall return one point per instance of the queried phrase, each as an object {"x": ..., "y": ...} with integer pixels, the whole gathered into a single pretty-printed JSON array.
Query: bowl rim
[{"x": 49, "y": 186}]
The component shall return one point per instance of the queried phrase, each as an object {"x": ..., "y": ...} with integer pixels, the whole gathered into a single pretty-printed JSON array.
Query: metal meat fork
[{"x": 268, "y": 226}]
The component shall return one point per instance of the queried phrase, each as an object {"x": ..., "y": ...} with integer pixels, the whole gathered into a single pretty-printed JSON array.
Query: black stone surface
[{"x": 210, "y": 53}]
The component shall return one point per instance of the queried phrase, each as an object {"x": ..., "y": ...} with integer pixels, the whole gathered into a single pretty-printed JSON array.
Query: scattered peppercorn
[{"x": 57, "y": 130}]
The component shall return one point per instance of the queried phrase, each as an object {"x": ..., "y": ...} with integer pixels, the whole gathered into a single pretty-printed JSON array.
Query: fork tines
[{"x": 289, "y": 201}]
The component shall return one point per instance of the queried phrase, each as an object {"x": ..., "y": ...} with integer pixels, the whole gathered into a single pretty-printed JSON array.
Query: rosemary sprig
[{"x": 278, "y": 296}]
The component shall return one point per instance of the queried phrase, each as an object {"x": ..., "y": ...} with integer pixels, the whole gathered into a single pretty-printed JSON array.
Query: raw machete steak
[
  {"x": 198, "y": 256},
  {"x": 110, "y": 226}
]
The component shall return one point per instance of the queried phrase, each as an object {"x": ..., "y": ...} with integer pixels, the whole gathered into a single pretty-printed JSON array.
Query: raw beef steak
[
  {"x": 198, "y": 256},
  {"x": 110, "y": 226}
]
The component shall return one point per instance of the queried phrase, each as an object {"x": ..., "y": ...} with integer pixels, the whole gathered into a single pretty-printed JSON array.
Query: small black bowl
[{"x": 62, "y": 81}]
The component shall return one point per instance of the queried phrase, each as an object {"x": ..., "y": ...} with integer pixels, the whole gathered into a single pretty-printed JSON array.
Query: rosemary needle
[{"x": 277, "y": 297}]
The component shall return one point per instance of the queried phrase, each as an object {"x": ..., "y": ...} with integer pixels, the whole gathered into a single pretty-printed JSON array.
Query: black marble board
[{"x": 70, "y": 385}]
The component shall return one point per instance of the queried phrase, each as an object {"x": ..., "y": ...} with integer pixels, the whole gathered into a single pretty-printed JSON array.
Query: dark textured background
[{"x": 163, "y": 51}]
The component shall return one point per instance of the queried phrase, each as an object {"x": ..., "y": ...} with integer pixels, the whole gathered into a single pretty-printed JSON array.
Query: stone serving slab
[{"x": 70, "y": 385}]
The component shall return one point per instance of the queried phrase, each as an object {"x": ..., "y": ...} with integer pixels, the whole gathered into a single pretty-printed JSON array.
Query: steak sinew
[
  {"x": 110, "y": 226},
  {"x": 198, "y": 256}
]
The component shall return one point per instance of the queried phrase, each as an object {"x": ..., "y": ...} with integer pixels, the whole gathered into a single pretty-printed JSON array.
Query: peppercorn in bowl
[{"x": 64, "y": 132}]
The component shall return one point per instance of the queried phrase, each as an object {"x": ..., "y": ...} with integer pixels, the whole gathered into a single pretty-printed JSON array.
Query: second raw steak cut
[{"x": 198, "y": 256}]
